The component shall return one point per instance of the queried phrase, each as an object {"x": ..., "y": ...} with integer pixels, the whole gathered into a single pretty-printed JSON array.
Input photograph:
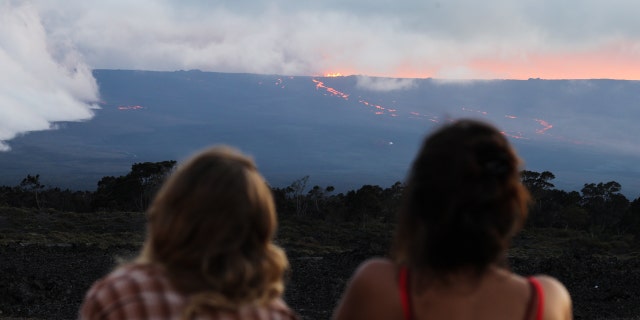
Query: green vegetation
[
  {"x": 318, "y": 237},
  {"x": 554, "y": 242},
  {"x": 300, "y": 236},
  {"x": 326, "y": 236},
  {"x": 590, "y": 240},
  {"x": 54, "y": 228}
]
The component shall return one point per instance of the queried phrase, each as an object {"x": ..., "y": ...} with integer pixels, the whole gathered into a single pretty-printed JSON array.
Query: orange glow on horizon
[
  {"x": 616, "y": 60},
  {"x": 601, "y": 65}
]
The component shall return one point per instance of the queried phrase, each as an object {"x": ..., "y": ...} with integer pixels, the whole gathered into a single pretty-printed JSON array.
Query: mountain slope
[{"x": 339, "y": 131}]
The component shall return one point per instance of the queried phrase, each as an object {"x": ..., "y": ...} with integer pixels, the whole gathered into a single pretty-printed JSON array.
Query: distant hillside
[{"x": 344, "y": 131}]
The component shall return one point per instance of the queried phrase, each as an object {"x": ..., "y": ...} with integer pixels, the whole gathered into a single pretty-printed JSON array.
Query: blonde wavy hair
[{"x": 211, "y": 226}]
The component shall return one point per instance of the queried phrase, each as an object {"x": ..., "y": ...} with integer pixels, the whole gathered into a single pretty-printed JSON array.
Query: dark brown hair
[
  {"x": 211, "y": 227},
  {"x": 463, "y": 202}
]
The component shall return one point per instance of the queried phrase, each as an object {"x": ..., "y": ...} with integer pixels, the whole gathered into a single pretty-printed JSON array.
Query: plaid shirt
[{"x": 138, "y": 291}]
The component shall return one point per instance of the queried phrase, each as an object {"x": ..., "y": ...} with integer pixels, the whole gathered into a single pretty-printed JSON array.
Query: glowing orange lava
[
  {"x": 546, "y": 126},
  {"x": 379, "y": 109},
  {"x": 332, "y": 91},
  {"x": 333, "y": 75}
]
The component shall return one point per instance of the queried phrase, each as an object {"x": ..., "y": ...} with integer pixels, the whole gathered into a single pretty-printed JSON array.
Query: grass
[
  {"x": 50, "y": 227},
  {"x": 556, "y": 242},
  {"x": 307, "y": 236},
  {"x": 299, "y": 235}
]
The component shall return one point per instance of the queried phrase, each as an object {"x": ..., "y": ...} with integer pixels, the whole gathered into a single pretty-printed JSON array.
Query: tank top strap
[
  {"x": 405, "y": 293},
  {"x": 536, "y": 302}
]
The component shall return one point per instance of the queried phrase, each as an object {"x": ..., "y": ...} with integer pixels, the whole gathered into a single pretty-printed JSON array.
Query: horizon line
[{"x": 339, "y": 75}]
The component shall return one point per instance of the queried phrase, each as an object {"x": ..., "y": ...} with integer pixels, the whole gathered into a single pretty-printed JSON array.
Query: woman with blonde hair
[
  {"x": 208, "y": 253},
  {"x": 464, "y": 201}
]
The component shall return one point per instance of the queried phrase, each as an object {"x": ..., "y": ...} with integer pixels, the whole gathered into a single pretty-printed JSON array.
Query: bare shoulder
[
  {"x": 556, "y": 298},
  {"x": 553, "y": 287},
  {"x": 374, "y": 274},
  {"x": 371, "y": 292},
  {"x": 375, "y": 268}
]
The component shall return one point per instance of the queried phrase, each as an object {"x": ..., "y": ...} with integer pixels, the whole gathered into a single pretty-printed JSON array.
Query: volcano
[{"x": 344, "y": 131}]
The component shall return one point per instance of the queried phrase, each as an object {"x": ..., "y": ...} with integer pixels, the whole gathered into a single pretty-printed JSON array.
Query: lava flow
[
  {"x": 546, "y": 126},
  {"x": 517, "y": 135},
  {"x": 393, "y": 112},
  {"x": 332, "y": 91},
  {"x": 377, "y": 109}
]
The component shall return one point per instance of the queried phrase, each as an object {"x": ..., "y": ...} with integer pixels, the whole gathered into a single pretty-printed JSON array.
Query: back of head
[
  {"x": 211, "y": 226},
  {"x": 463, "y": 202}
]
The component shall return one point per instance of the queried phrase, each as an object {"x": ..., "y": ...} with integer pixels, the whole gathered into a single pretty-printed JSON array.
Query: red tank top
[{"x": 536, "y": 303}]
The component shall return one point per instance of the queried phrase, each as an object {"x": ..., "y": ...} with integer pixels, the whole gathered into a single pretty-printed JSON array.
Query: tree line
[
  {"x": 597, "y": 208},
  {"x": 131, "y": 192}
]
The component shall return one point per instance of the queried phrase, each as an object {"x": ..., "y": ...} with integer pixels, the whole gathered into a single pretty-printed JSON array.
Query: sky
[{"x": 48, "y": 48}]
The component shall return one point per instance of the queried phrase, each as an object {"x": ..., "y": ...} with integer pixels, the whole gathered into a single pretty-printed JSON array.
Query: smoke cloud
[
  {"x": 384, "y": 84},
  {"x": 457, "y": 39},
  {"x": 42, "y": 81},
  {"x": 47, "y": 48}
]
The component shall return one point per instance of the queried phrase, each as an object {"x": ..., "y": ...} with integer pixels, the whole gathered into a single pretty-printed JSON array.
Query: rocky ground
[
  {"x": 48, "y": 282},
  {"x": 49, "y": 260}
]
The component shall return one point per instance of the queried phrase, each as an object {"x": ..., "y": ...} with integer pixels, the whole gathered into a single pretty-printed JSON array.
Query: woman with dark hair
[
  {"x": 464, "y": 202},
  {"x": 208, "y": 253}
]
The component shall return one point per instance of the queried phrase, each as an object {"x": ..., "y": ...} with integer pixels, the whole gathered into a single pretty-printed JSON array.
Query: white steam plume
[
  {"x": 42, "y": 82},
  {"x": 384, "y": 84}
]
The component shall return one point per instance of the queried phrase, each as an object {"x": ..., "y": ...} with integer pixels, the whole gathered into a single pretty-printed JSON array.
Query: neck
[{"x": 465, "y": 279}]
